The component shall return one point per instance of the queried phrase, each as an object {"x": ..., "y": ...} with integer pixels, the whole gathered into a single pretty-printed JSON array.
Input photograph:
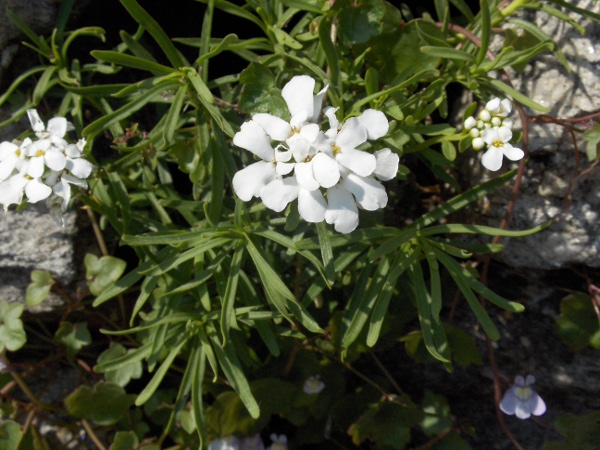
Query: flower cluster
[
  {"x": 521, "y": 400},
  {"x": 324, "y": 170},
  {"x": 493, "y": 128},
  {"x": 44, "y": 168}
]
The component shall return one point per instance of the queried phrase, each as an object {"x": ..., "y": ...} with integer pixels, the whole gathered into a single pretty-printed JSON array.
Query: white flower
[
  {"x": 499, "y": 108},
  {"x": 279, "y": 442},
  {"x": 343, "y": 148},
  {"x": 521, "y": 400},
  {"x": 227, "y": 443},
  {"x": 313, "y": 385},
  {"x": 43, "y": 153},
  {"x": 12, "y": 157},
  {"x": 497, "y": 140},
  {"x": 325, "y": 171},
  {"x": 252, "y": 443},
  {"x": 56, "y": 130}
]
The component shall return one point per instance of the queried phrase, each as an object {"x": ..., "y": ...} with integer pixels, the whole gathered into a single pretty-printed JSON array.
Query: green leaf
[
  {"x": 125, "y": 373},
  {"x": 40, "y": 287},
  {"x": 140, "y": 15},
  {"x": 486, "y": 30},
  {"x": 161, "y": 372},
  {"x": 232, "y": 369},
  {"x": 577, "y": 322},
  {"x": 579, "y": 432},
  {"x": 437, "y": 418},
  {"x": 73, "y": 336},
  {"x": 260, "y": 93},
  {"x": 10, "y": 435},
  {"x": 592, "y": 148},
  {"x": 387, "y": 424},
  {"x": 518, "y": 96},
  {"x": 102, "y": 273},
  {"x": 104, "y": 404},
  {"x": 448, "y": 150},
  {"x": 125, "y": 440},
  {"x": 359, "y": 22},
  {"x": 131, "y": 107},
  {"x": 133, "y": 62},
  {"x": 448, "y": 53},
  {"x": 12, "y": 334}
]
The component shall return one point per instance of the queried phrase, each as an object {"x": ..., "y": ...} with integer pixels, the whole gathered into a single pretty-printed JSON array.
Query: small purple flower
[{"x": 521, "y": 400}]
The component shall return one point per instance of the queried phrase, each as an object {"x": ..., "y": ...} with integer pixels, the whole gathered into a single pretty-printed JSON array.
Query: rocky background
[{"x": 539, "y": 270}]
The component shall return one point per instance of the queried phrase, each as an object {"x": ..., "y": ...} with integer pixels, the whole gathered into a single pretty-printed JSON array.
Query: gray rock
[
  {"x": 554, "y": 188},
  {"x": 30, "y": 240}
]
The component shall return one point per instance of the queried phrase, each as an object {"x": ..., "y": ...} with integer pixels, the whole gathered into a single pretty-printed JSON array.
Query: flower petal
[
  {"x": 249, "y": 181},
  {"x": 63, "y": 190},
  {"x": 326, "y": 170},
  {"x": 35, "y": 169},
  {"x": 36, "y": 191},
  {"x": 352, "y": 134},
  {"x": 304, "y": 176},
  {"x": 359, "y": 162},
  {"x": 252, "y": 137},
  {"x": 492, "y": 159},
  {"x": 278, "y": 193},
  {"x": 508, "y": 405},
  {"x": 278, "y": 129},
  {"x": 523, "y": 410},
  {"x": 369, "y": 194},
  {"x": 55, "y": 160},
  {"x": 57, "y": 126},
  {"x": 284, "y": 168},
  {"x": 7, "y": 166},
  {"x": 11, "y": 190},
  {"x": 298, "y": 94},
  {"x": 34, "y": 119},
  {"x": 79, "y": 167},
  {"x": 317, "y": 103},
  {"x": 504, "y": 133},
  {"x": 8, "y": 149},
  {"x": 386, "y": 164},
  {"x": 512, "y": 153},
  {"x": 375, "y": 123},
  {"x": 538, "y": 406},
  {"x": 341, "y": 210},
  {"x": 311, "y": 205}
]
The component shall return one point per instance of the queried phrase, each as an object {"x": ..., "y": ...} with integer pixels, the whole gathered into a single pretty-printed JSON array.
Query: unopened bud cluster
[{"x": 493, "y": 128}]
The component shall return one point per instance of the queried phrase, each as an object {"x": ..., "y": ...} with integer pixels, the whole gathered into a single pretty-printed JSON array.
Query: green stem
[{"x": 514, "y": 6}]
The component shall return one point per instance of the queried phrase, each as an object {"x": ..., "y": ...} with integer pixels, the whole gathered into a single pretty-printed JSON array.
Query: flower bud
[
  {"x": 470, "y": 122},
  {"x": 485, "y": 115},
  {"x": 474, "y": 133},
  {"x": 508, "y": 123},
  {"x": 480, "y": 124},
  {"x": 478, "y": 143},
  {"x": 496, "y": 121}
]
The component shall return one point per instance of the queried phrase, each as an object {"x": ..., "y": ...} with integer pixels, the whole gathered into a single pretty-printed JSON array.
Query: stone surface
[
  {"x": 554, "y": 187},
  {"x": 30, "y": 240}
]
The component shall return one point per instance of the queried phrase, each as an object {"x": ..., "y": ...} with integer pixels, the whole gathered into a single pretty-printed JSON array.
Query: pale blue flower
[{"x": 521, "y": 400}]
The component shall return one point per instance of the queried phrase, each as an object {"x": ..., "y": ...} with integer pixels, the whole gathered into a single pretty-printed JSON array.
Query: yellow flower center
[
  {"x": 498, "y": 143},
  {"x": 18, "y": 152},
  {"x": 39, "y": 153},
  {"x": 336, "y": 149},
  {"x": 523, "y": 393}
]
